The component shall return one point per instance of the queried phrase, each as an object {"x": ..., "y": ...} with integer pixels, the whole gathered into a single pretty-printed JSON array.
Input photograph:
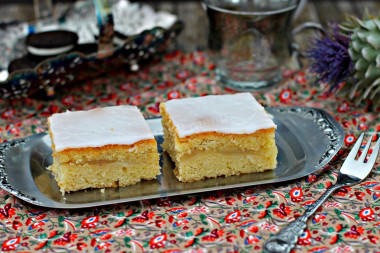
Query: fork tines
[{"x": 362, "y": 157}]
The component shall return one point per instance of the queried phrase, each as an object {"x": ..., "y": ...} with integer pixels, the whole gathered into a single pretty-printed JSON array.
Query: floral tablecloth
[{"x": 238, "y": 220}]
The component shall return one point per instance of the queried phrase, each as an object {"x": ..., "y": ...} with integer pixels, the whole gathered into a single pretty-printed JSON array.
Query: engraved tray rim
[{"x": 327, "y": 125}]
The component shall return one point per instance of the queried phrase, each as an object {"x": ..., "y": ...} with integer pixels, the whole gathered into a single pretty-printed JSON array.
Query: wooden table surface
[{"x": 194, "y": 36}]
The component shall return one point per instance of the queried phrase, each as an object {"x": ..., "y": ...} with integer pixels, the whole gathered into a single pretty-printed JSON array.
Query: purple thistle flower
[{"x": 332, "y": 61}]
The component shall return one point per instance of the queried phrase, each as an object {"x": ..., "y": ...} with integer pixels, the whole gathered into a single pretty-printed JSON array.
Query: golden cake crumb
[
  {"x": 103, "y": 164},
  {"x": 212, "y": 154}
]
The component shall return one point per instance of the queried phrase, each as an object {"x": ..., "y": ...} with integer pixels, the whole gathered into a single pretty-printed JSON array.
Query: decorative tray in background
[
  {"x": 128, "y": 35},
  {"x": 307, "y": 139}
]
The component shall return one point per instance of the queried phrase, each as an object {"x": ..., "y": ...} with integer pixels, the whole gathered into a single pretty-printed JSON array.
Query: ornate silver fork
[{"x": 352, "y": 172}]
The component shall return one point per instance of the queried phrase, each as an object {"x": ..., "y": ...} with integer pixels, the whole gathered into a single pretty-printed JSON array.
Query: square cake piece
[
  {"x": 219, "y": 135},
  {"x": 105, "y": 147}
]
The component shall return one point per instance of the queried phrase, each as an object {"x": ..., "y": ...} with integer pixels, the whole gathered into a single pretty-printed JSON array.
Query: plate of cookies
[
  {"x": 113, "y": 155},
  {"x": 90, "y": 38}
]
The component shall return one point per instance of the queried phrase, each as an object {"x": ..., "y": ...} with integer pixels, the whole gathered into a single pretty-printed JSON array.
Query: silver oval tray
[{"x": 307, "y": 138}]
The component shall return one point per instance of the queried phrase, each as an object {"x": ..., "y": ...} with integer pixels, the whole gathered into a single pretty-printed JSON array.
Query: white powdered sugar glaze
[
  {"x": 231, "y": 114},
  {"x": 119, "y": 125}
]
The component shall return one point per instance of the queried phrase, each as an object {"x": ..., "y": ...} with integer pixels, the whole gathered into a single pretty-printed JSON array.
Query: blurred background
[{"x": 194, "y": 35}]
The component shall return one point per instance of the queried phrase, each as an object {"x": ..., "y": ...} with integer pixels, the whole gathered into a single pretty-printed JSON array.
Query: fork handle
[{"x": 284, "y": 241}]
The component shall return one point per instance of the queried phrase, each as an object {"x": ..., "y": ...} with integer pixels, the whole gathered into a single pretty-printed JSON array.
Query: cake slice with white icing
[
  {"x": 219, "y": 135},
  {"x": 104, "y": 147}
]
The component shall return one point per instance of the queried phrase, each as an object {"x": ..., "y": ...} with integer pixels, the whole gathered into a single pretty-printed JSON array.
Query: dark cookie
[
  {"x": 87, "y": 48},
  {"x": 25, "y": 62},
  {"x": 51, "y": 43}
]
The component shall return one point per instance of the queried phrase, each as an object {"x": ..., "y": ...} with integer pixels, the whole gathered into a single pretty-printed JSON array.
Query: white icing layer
[
  {"x": 48, "y": 51},
  {"x": 120, "y": 125},
  {"x": 233, "y": 114}
]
